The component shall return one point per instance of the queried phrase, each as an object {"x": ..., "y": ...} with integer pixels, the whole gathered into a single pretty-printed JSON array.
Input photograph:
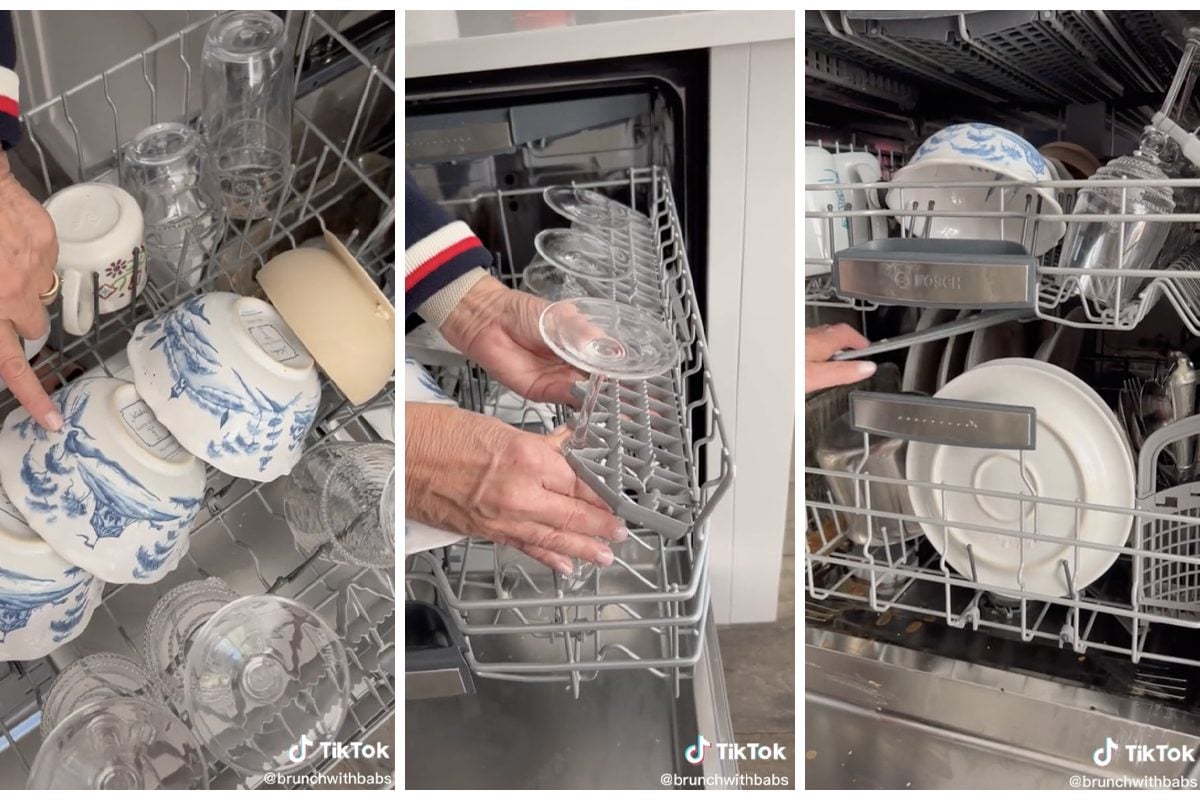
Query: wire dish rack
[
  {"x": 1143, "y": 605},
  {"x": 647, "y": 610},
  {"x": 240, "y": 534},
  {"x": 1054, "y": 286}
]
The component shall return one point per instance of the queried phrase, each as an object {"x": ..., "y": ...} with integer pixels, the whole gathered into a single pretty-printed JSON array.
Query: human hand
[
  {"x": 473, "y": 474},
  {"x": 820, "y": 344},
  {"x": 497, "y": 327},
  {"x": 28, "y": 254}
]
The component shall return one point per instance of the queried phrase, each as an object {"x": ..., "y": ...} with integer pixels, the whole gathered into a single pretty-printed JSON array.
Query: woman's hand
[
  {"x": 473, "y": 474},
  {"x": 497, "y": 328},
  {"x": 28, "y": 254},
  {"x": 820, "y": 344}
]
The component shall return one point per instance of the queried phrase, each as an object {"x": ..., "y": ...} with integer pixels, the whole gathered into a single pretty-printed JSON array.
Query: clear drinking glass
[
  {"x": 266, "y": 681},
  {"x": 594, "y": 210},
  {"x": 604, "y": 339},
  {"x": 247, "y": 116},
  {"x": 122, "y": 743},
  {"x": 173, "y": 624},
  {"x": 343, "y": 494},
  {"x": 167, "y": 169},
  {"x": 98, "y": 676}
]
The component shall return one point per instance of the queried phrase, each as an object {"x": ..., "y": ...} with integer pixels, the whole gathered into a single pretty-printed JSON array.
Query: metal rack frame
[
  {"x": 657, "y": 591},
  {"x": 240, "y": 534},
  {"x": 1056, "y": 284}
]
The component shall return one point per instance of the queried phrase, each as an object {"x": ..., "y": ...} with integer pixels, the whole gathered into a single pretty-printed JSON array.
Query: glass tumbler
[
  {"x": 173, "y": 624},
  {"x": 267, "y": 681},
  {"x": 343, "y": 494},
  {"x": 121, "y": 743},
  {"x": 99, "y": 676},
  {"x": 247, "y": 116},
  {"x": 168, "y": 170}
]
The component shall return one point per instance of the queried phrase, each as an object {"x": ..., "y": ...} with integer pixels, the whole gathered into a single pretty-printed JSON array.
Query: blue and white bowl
[
  {"x": 228, "y": 378},
  {"x": 974, "y": 152},
  {"x": 45, "y": 602},
  {"x": 112, "y": 492}
]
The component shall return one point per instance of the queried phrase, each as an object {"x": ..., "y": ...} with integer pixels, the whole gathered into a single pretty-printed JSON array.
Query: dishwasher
[
  {"x": 512, "y": 681},
  {"x": 341, "y": 181},
  {"x": 980, "y": 613}
]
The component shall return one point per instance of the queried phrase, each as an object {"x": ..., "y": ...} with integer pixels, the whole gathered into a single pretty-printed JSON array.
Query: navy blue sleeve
[
  {"x": 10, "y": 125},
  {"x": 437, "y": 248}
]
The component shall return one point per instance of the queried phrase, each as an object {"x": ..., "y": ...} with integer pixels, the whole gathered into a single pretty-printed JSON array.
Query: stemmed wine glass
[
  {"x": 120, "y": 743},
  {"x": 574, "y": 263},
  {"x": 606, "y": 340}
]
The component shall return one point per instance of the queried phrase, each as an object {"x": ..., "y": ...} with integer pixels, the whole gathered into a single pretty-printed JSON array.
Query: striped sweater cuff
[
  {"x": 10, "y": 110},
  {"x": 436, "y": 264}
]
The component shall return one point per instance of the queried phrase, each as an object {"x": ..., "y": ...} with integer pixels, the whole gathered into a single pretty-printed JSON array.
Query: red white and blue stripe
[{"x": 437, "y": 248}]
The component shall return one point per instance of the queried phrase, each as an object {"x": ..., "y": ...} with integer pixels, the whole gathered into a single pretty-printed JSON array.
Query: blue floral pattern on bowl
[
  {"x": 39, "y": 615},
  {"x": 83, "y": 497},
  {"x": 220, "y": 415},
  {"x": 987, "y": 143}
]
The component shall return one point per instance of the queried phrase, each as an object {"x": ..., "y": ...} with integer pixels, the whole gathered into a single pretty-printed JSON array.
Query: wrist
[{"x": 474, "y": 312}]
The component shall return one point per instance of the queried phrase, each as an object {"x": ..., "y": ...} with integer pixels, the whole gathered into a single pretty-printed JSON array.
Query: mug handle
[{"x": 78, "y": 305}]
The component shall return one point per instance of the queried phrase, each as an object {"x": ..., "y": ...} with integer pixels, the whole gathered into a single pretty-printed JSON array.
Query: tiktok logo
[
  {"x": 694, "y": 753},
  {"x": 299, "y": 751},
  {"x": 1104, "y": 755}
]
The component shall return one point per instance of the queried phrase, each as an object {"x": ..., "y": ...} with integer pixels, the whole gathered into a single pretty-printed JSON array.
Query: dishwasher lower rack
[
  {"x": 1116, "y": 297},
  {"x": 648, "y": 610},
  {"x": 240, "y": 534},
  {"x": 1144, "y": 606}
]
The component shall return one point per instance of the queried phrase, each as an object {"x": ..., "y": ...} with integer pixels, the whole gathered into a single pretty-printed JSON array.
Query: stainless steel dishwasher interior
[
  {"x": 540, "y": 724},
  {"x": 342, "y": 182},
  {"x": 912, "y": 682}
]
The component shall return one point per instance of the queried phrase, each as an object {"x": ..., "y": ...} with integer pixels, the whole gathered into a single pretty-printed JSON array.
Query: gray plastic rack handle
[
  {"x": 974, "y": 322},
  {"x": 959, "y": 423}
]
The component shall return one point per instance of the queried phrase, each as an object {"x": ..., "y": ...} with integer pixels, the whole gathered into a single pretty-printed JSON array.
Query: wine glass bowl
[
  {"x": 120, "y": 743},
  {"x": 266, "y": 680},
  {"x": 98, "y": 676},
  {"x": 582, "y": 255}
]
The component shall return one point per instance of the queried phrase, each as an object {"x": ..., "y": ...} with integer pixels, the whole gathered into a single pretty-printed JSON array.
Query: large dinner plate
[
  {"x": 1081, "y": 454},
  {"x": 921, "y": 366}
]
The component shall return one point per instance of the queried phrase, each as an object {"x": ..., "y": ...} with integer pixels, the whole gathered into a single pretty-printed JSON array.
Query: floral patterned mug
[{"x": 101, "y": 254}]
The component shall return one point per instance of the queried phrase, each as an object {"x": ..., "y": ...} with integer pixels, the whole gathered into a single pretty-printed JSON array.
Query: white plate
[
  {"x": 954, "y": 356},
  {"x": 1006, "y": 340},
  {"x": 921, "y": 366},
  {"x": 1081, "y": 454}
]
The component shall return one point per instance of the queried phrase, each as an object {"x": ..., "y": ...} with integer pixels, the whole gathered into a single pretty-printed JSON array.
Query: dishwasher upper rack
[
  {"x": 240, "y": 534},
  {"x": 1116, "y": 614},
  {"x": 1179, "y": 284},
  {"x": 648, "y": 610}
]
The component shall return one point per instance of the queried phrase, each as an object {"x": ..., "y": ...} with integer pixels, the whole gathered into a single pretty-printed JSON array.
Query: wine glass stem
[{"x": 579, "y": 435}]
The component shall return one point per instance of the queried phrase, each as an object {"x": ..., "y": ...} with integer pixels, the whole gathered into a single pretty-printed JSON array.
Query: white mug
[
  {"x": 862, "y": 167},
  {"x": 819, "y": 168},
  {"x": 99, "y": 229}
]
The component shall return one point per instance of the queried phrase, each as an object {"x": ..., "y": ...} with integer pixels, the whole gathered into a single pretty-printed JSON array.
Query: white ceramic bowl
[
  {"x": 112, "y": 492},
  {"x": 976, "y": 152},
  {"x": 45, "y": 601},
  {"x": 228, "y": 378}
]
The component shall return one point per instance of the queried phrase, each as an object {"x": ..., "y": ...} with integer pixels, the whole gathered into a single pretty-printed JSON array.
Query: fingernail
[
  {"x": 566, "y": 567},
  {"x": 622, "y": 534},
  {"x": 866, "y": 369},
  {"x": 55, "y": 421},
  {"x": 604, "y": 558}
]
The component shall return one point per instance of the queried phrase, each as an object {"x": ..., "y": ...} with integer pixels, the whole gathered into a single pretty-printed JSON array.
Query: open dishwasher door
[
  {"x": 533, "y": 686},
  {"x": 980, "y": 611}
]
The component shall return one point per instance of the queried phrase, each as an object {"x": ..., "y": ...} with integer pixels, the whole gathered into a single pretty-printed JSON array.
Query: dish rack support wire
[
  {"x": 240, "y": 535},
  {"x": 1110, "y": 616},
  {"x": 648, "y": 610}
]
